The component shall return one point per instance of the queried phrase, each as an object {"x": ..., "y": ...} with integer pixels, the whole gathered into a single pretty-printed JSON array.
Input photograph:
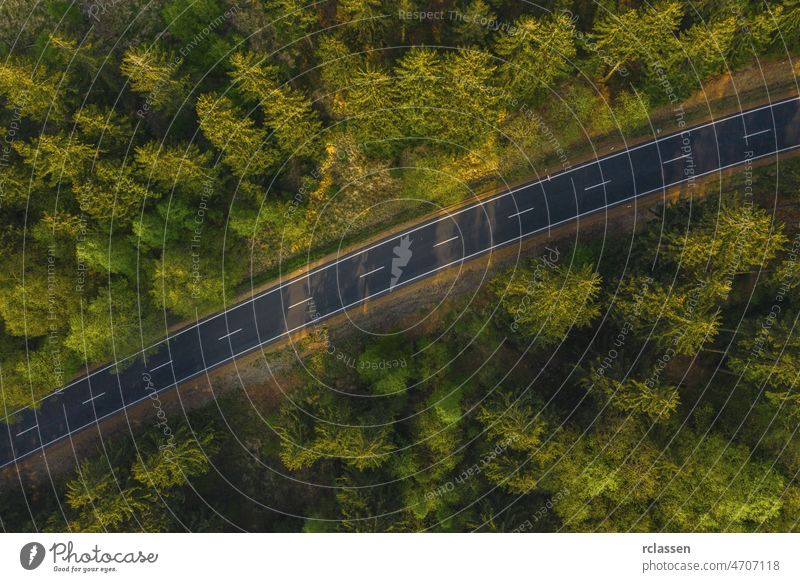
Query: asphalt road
[{"x": 618, "y": 178}]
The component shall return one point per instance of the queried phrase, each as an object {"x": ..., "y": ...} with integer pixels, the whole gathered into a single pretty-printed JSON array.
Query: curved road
[{"x": 403, "y": 258}]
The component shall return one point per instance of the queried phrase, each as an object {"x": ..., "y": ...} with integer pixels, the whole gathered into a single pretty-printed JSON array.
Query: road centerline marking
[
  {"x": 445, "y": 241},
  {"x": 92, "y": 398},
  {"x": 306, "y": 300},
  {"x": 370, "y": 272},
  {"x": 27, "y": 430},
  {"x": 229, "y": 334},
  {"x": 749, "y": 135},
  {"x": 597, "y": 185},
  {"x": 676, "y": 159},
  {"x": 520, "y": 212},
  {"x": 161, "y": 365}
]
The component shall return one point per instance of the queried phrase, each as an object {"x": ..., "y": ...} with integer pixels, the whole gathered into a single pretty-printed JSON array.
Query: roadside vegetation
[
  {"x": 641, "y": 383},
  {"x": 156, "y": 156}
]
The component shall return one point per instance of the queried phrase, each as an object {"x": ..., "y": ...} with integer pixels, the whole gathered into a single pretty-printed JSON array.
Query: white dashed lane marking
[
  {"x": 306, "y": 300},
  {"x": 370, "y": 272},
  {"x": 749, "y": 135},
  {"x": 520, "y": 212},
  {"x": 27, "y": 430},
  {"x": 92, "y": 398},
  {"x": 161, "y": 365},
  {"x": 229, "y": 334},
  {"x": 445, "y": 241},
  {"x": 597, "y": 185},
  {"x": 678, "y": 158}
]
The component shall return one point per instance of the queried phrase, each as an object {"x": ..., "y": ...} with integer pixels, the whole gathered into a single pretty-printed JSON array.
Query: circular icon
[{"x": 31, "y": 555}]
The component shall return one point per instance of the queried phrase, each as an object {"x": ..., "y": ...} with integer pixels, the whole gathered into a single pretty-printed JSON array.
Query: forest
[
  {"x": 161, "y": 157},
  {"x": 676, "y": 411}
]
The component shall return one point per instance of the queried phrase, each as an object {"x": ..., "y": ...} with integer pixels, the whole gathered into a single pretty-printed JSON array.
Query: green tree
[
  {"x": 109, "y": 253},
  {"x": 59, "y": 158},
  {"x": 99, "y": 502},
  {"x": 707, "y": 47},
  {"x": 112, "y": 192},
  {"x": 303, "y": 442},
  {"x": 182, "y": 167},
  {"x": 384, "y": 365},
  {"x": 102, "y": 126},
  {"x": 21, "y": 22},
  {"x": 639, "y": 38},
  {"x": 201, "y": 26},
  {"x": 518, "y": 432},
  {"x": 30, "y": 90},
  {"x": 296, "y": 434},
  {"x": 110, "y": 326},
  {"x": 291, "y": 25},
  {"x": 757, "y": 30},
  {"x": 15, "y": 183},
  {"x": 188, "y": 282},
  {"x": 365, "y": 508},
  {"x": 244, "y": 146},
  {"x": 518, "y": 471},
  {"x": 153, "y": 72},
  {"x": 789, "y": 27},
  {"x": 515, "y": 422},
  {"x": 605, "y": 480},
  {"x": 631, "y": 111},
  {"x": 470, "y": 84},
  {"x": 427, "y": 467},
  {"x": 365, "y": 20},
  {"x": 786, "y": 275},
  {"x": 682, "y": 318},
  {"x": 37, "y": 300},
  {"x": 468, "y": 28},
  {"x": 288, "y": 113},
  {"x": 541, "y": 51},
  {"x": 768, "y": 355},
  {"x": 717, "y": 487},
  {"x": 738, "y": 238},
  {"x": 651, "y": 398},
  {"x": 337, "y": 64},
  {"x": 27, "y": 378},
  {"x": 420, "y": 81},
  {"x": 370, "y": 105},
  {"x": 120, "y": 492},
  {"x": 181, "y": 458},
  {"x": 547, "y": 301},
  {"x": 449, "y": 98},
  {"x": 358, "y": 447},
  {"x": 170, "y": 223},
  {"x": 65, "y": 53}
]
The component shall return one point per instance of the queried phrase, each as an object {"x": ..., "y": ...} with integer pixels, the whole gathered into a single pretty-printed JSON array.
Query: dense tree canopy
[{"x": 158, "y": 155}]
